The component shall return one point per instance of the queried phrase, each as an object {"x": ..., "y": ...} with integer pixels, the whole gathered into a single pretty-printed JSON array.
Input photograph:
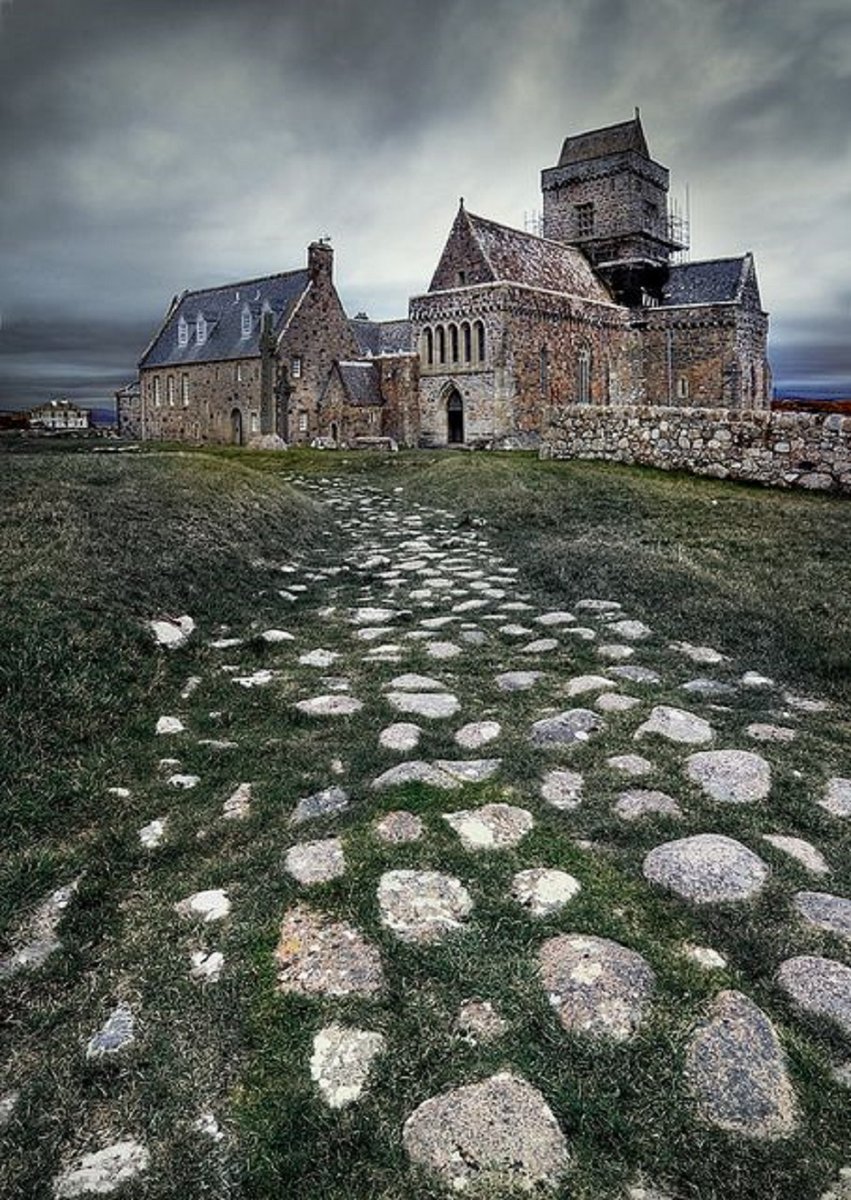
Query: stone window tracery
[{"x": 583, "y": 376}]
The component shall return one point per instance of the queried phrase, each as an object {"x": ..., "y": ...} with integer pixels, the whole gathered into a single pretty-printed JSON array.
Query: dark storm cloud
[{"x": 149, "y": 146}]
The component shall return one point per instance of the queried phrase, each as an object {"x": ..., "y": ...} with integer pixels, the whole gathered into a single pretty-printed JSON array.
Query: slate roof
[
  {"x": 360, "y": 382},
  {"x": 222, "y": 308},
  {"x": 517, "y": 257},
  {"x": 381, "y": 337},
  {"x": 598, "y": 143},
  {"x": 715, "y": 281}
]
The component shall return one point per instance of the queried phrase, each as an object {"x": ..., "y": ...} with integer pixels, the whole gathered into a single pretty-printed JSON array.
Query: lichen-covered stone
[
  {"x": 316, "y": 862},
  {"x": 317, "y": 955},
  {"x": 829, "y": 913},
  {"x": 676, "y": 725},
  {"x": 736, "y": 1068},
  {"x": 422, "y": 906},
  {"x": 575, "y": 725},
  {"x": 491, "y": 827},
  {"x": 803, "y": 852},
  {"x": 479, "y": 1022},
  {"x": 707, "y": 869},
  {"x": 399, "y": 827},
  {"x": 497, "y": 1133},
  {"x": 342, "y": 1061},
  {"x": 103, "y": 1171},
  {"x": 638, "y": 803},
  {"x": 596, "y": 986},
  {"x": 544, "y": 890},
  {"x": 730, "y": 776},
  {"x": 562, "y": 789}
]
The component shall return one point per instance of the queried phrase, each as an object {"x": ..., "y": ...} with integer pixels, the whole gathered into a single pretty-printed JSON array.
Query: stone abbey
[{"x": 514, "y": 330}]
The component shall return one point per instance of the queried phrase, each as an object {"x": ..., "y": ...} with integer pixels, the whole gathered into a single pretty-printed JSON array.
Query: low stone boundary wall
[{"x": 783, "y": 449}]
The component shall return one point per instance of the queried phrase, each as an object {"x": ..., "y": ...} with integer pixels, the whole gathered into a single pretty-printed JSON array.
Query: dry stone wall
[{"x": 783, "y": 449}]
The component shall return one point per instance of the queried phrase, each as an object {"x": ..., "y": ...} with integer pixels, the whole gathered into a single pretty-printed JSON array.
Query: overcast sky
[{"x": 147, "y": 146}]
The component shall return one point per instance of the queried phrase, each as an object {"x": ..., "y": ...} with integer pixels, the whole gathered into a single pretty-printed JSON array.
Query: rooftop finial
[
  {"x": 637, "y": 113},
  {"x": 461, "y": 201}
]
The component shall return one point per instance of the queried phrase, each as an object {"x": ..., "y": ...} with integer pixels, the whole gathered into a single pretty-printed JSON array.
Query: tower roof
[{"x": 598, "y": 143}]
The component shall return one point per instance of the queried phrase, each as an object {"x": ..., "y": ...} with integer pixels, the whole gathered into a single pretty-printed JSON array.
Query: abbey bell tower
[{"x": 609, "y": 198}]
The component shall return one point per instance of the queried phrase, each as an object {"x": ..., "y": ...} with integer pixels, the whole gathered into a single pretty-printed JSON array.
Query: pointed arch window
[
  {"x": 427, "y": 348},
  {"x": 467, "y": 342},
  {"x": 453, "y": 342}
]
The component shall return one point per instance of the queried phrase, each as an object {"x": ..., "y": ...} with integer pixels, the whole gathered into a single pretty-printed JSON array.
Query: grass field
[{"x": 95, "y": 544}]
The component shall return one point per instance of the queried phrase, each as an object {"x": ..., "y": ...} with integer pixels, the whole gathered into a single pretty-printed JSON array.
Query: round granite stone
[
  {"x": 422, "y": 906},
  {"x": 730, "y": 776},
  {"x": 596, "y": 986},
  {"x": 707, "y": 869},
  {"x": 820, "y": 986}
]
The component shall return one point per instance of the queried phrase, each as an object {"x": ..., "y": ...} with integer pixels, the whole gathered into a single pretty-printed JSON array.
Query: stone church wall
[
  {"x": 215, "y": 391},
  {"x": 783, "y": 449}
]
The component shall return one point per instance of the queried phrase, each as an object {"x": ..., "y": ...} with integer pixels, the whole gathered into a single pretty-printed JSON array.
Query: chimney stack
[{"x": 320, "y": 260}]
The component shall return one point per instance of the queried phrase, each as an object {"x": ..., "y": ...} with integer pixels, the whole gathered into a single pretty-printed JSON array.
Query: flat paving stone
[
  {"x": 422, "y": 906},
  {"x": 477, "y": 734},
  {"x": 237, "y": 807},
  {"x": 614, "y": 702},
  {"x": 316, "y": 862},
  {"x": 276, "y": 636},
  {"x": 820, "y": 986},
  {"x": 152, "y": 834},
  {"x": 707, "y": 869},
  {"x": 544, "y": 890},
  {"x": 415, "y": 772},
  {"x": 635, "y": 674},
  {"x": 327, "y": 803},
  {"x": 169, "y": 725},
  {"x": 615, "y": 651},
  {"x": 318, "y": 658},
  {"x": 496, "y": 1133},
  {"x": 630, "y": 764},
  {"x": 730, "y": 776},
  {"x": 517, "y": 681},
  {"x": 824, "y": 911},
  {"x": 103, "y": 1171},
  {"x": 705, "y": 957},
  {"x": 803, "y": 852},
  {"x": 638, "y": 803},
  {"x": 562, "y": 789},
  {"x": 172, "y": 634},
  {"x": 372, "y": 616},
  {"x": 712, "y": 688},
  {"x": 574, "y": 725},
  {"x": 403, "y": 737},
  {"x": 736, "y": 1069},
  {"x": 762, "y": 732},
  {"x": 206, "y": 968},
  {"x": 341, "y": 1062},
  {"x": 837, "y": 797},
  {"x": 116, "y": 1033},
  {"x": 318, "y": 956},
  {"x": 581, "y": 684},
  {"x": 598, "y": 606},
  {"x": 211, "y": 905},
  {"x": 261, "y": 678},
  {"x": 633, "y": 631},
  {"x": 434, "y": 705},
  {"x": 556, "y": 618},
  {"x": 597, "y": 987},
  {"x": 752, "y": 679},
  {"x": 470, "y": 770},
  {"x": 540, "y": 646},
  {"x": 676, "y": 725},
  {"x": 478, "y": 1022},
  {"x": 491, "y": 827},
  {"x": 330, "y": 706},
  {"x": 442, "y": 650},
  {"x": 399, "y": 827},
  {"x": 704, "y": 655}
]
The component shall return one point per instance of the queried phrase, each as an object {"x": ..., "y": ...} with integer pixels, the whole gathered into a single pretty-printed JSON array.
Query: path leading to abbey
[{"x": 498, "y": 881}]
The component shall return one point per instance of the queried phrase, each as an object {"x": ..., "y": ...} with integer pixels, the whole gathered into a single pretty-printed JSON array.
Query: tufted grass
[{"x": 94, "y": 544}]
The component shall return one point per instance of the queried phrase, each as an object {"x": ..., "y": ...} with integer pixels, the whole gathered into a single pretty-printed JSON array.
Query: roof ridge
[
  {"x": 524, "y": 233},
  {"x": 221, "y": 287},
  {"x": 699, "y": 262}
]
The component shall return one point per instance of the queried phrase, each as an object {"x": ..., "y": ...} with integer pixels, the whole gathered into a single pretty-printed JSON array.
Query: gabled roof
[
  {"x": 598, "y": 143},
  {"x": 715, "y": 281},
  {"x": 360, "y": 382},
  {"x": 222, "y": 309},
  {"x": 517, "y": 257},
  {"x": 381, "y": 337}
]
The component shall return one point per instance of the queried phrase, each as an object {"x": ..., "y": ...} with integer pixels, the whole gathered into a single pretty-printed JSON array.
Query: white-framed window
[
  {"x": 184, "y": 389},
  {"x": 158, "y": 393},
  {"x": 255, "y": 423},
  {"x": 682, "y": 387},
  {"x": 302, "y": 422},
  {"x": 237, "y": 372},
  {"x": 296, "y": 368},
  {"x": 169, "y": 386},
  {"x": 200, "y": 330},
  {"x": 246, "y": 322},
  {"x": 182, "y": 331}
]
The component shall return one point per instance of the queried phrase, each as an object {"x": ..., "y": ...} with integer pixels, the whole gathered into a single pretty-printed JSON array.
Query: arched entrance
[
  {"x": 454, "y": 418},
  {"x": 335, "y": 433},
  {"x": 236, "y": 427}
]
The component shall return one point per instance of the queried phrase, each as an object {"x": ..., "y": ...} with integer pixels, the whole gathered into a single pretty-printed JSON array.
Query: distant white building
[{"x": 59, "y": 414}]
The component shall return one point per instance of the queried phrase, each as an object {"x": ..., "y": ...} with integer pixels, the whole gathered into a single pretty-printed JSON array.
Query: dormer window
[
  {"x": 182, "y": 331},
  {"x": 200, "y": 330},
  {"x": 246, "y": 322}
]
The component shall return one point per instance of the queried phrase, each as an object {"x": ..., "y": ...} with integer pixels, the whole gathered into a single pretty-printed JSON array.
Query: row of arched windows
[{"x": 454, "y": 345}]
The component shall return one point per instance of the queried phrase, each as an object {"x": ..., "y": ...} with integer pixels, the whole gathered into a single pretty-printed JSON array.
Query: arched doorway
[
  {"x": 335, "y": 433},
  {"x": 454, "y": 418},
  {"x": 236, "y": 427}
]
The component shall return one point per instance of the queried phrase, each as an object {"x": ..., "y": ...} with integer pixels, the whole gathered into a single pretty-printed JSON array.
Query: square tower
[{"x": 609, "y": 198}]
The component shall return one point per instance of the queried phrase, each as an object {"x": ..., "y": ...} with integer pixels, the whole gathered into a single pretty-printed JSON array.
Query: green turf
[{"x": 95, "y": 544}]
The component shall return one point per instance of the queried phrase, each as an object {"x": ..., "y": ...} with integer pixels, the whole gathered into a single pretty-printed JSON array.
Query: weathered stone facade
[{"x": 783, "y": 449}]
